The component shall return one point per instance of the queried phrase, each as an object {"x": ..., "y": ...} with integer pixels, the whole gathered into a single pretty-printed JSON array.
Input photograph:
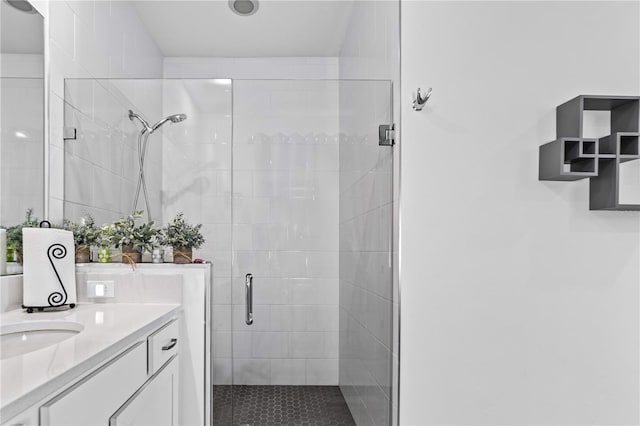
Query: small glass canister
[{"x": 157, "y": 255}]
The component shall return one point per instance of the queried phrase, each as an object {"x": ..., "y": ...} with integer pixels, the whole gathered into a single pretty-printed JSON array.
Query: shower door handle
[{"x": 248, "y": 294}]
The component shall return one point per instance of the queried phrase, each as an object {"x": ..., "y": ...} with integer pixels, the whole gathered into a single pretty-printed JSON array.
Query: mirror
[{"x": 21, "y": 114}]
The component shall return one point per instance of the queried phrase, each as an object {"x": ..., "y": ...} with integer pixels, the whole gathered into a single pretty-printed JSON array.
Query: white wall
[
  {"x": 252, "y": 68},
  {"x": 519, "y": 305},
  {"x": 90, "y": 39}
]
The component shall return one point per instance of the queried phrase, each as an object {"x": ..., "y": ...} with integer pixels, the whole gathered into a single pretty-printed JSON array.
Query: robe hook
[{"x": 420, "y": 100}]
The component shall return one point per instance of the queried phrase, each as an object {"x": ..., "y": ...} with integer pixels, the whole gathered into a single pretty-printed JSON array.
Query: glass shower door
[{"x": 311, "y": 284}]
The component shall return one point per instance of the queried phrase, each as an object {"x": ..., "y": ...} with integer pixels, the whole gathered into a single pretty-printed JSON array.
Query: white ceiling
[
  {"x": 208, "y": 28},
  {"x": 20, "y": 32}
]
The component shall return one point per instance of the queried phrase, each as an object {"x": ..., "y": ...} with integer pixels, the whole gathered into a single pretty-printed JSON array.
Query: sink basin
[{"x": 24, "y": 337}]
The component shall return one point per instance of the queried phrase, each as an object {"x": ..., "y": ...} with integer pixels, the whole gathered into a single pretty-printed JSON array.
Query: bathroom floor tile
[{"x": 280, "y": 405}]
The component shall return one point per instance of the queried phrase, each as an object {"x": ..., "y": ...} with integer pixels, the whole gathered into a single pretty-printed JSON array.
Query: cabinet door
[
  {"x": 155, "y": 403},
  {"x": 92, "y": 400}
]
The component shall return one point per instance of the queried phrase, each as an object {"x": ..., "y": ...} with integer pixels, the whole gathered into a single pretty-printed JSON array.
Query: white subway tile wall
[
  {"x": 196, "y": 173},
  {"x": 369, "y": 186},
  {"x": 366, "y": 296},
  {"x": 96, "y": 39},
  {"x": 101, "y": 164},
  {"x": 285, "y": 189},
  {"x": 284, "y": 229}
]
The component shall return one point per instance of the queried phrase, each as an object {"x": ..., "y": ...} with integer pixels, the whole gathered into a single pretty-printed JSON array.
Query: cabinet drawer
[
  {"x": 92, "y": 400},
  {"x": 162, "y": 345}
]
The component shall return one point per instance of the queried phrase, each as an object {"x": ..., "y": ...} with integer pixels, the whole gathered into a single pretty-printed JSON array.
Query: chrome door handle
[{"x": 248, "y": 294}]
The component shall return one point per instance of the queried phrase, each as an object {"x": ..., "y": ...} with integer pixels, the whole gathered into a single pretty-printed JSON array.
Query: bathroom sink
[{"x": 24, "y": 337}]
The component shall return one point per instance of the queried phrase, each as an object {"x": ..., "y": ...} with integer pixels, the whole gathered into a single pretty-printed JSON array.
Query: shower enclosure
[{"x": 295, "y": 196}]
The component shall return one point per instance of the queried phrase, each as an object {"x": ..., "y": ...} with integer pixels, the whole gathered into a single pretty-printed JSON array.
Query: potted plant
[
  {"x": 183, "y": 237},
  {"x": 14, "y": 237},
  {"x": 105, "y": 239},
  {"x": 84, "y": 236},
  {"x": 132, "y": 238}
]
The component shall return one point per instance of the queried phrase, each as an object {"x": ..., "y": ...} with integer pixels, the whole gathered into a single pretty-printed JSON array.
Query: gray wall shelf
[{"x": 572, "y": 156}]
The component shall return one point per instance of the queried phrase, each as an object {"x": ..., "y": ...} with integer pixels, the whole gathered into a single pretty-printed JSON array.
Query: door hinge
[
  {"x": 386, "y": 134},
  {"x": 69, "y": 133}
]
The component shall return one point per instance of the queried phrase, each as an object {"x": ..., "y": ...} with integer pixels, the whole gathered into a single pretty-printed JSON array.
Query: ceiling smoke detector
[{"x": 243, "y": 7}]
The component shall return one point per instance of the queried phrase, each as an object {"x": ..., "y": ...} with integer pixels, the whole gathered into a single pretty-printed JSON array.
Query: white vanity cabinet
[{"x": 139, "y": 386}]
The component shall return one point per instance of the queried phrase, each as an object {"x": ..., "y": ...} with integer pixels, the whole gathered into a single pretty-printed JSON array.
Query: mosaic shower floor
[{"x": 280, "y": 406}]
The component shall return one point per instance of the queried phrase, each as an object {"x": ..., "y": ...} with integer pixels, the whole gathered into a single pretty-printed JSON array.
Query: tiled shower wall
[
  {"x": 366, "y": 219},
  {"x": 101, "y": 164},
  {"x": 197, "y": 171},
  {"x": 91, "y": 39},
  {"x": 285, "y": 188},
  {"x": 369, "y": 280},
  {"x": 295, "y": 296},
  {"x": 284, "y": 224}
]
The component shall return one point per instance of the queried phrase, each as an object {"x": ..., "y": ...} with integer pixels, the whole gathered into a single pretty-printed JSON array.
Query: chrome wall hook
[{"x": 420, "y": 100}]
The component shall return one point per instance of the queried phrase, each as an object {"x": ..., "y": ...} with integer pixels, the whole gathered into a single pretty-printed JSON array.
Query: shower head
[{"x": 175, "y": 118}]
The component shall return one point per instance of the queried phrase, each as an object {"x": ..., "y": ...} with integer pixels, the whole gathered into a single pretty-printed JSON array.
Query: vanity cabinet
[{"x": 139, "y": 386}]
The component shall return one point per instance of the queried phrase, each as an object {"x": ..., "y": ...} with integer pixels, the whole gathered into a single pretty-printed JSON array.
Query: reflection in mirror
[{"x": 21, "y": 116}]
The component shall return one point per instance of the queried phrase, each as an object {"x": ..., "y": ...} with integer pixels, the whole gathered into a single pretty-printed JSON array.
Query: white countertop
[{"x": 108, "y": 329}]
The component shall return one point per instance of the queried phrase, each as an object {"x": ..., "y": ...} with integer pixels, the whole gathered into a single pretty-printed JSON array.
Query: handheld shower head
[
  {"x": 143, "y": 137},
  {"x": 175, "y": 118}
]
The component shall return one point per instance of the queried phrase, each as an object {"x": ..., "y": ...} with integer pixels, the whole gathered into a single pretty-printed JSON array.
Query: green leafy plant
[
  {"x": 178, "y": 233},
  {"x": 84, "y": 233},
  {"x": 14, "y": 233},
  {"x": 158, "y": 239},
  {"x": 139, "y": 237},
  {"x": 105, "y": 236}
]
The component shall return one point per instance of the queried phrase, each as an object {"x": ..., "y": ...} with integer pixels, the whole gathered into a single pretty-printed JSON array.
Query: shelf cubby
[{"x": 573, "y": 157}]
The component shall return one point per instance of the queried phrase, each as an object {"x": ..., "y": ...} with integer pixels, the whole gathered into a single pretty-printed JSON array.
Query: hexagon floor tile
[{"x": 279, "y": 406}]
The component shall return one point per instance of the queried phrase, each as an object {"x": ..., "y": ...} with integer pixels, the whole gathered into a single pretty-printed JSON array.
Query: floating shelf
[{"x": 572, "y": 157}]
